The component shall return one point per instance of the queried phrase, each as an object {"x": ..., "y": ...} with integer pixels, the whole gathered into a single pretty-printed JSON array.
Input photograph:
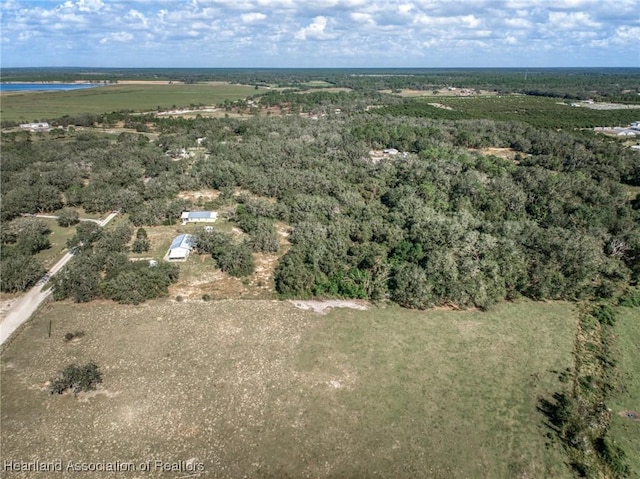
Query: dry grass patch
[
  {"x": 199, "y": 196},
  {"x": 263, "y": 389},
  {"x": 505, "y": 153}
]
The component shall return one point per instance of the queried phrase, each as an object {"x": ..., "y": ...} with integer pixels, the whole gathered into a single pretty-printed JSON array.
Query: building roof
[
  {"x": 199, "y": 214},
  {"x": 181, "y": 241}
]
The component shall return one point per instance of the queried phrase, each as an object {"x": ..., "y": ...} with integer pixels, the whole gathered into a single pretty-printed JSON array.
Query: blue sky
[{"x": 320, "y": 33}]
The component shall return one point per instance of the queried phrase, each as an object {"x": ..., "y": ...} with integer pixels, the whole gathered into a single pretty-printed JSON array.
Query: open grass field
[
  {"x": 34, "y": 106},
  {"x": 625, "y": 430},
  {"x": 261, "y": 389}
]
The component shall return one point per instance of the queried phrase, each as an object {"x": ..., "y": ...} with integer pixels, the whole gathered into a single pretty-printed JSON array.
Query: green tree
[
  {"x": 68, "y": 217},
  {"x": 410, "y": 288},
  {"x": 20, "y": 272},
  {"x": 141, "y": 243}
]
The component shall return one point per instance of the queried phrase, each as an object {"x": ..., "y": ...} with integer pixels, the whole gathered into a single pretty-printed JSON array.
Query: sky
[{"x": 320, "y": 33}]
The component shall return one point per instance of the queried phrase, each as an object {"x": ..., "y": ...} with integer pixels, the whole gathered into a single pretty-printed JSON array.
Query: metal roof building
[
  {"x": 198, "y": 217},
  {"x": 180, "y": 247}
]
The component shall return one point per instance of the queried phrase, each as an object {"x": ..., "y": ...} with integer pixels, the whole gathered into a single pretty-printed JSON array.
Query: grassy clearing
[
  {"x": 35, "y": 106},
  {"x": 317, "y": 83},
  {"x": 199, "y": 274},
  {"x": 632, "y": 191},
  {"x": 58, "y": 239},
  {"x": 624, "y": 430},
  {"x": 262, "y": 389}
]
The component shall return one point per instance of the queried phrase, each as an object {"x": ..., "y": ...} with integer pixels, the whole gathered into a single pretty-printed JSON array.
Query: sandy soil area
[{"x": 323, "y": 307}]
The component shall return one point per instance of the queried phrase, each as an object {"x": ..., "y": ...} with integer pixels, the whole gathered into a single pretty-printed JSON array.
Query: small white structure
[
  {"x": 199, "y": 217},
  {"x": 180, "y": 247},
  {"x": 42, "y": 126}
]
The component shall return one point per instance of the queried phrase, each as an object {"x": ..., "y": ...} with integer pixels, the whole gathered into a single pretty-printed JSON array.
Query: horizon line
[{"x": 2, "y": 67}]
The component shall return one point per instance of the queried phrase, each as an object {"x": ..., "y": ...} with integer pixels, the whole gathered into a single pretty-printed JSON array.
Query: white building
[
  {"x": 180, "y": 247},
  {"x": 199, "y": 217},
  {"x": 42, "y": 126}
]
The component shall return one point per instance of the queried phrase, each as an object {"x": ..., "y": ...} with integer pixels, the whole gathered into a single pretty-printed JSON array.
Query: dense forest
[{"x": 438, "y": 223}]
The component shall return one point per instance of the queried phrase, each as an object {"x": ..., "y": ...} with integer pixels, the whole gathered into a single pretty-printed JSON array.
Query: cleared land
[
  {"x": 263, "y": 389},
  {"x": 539, "y": 111},
  {"x": 33, "y": 106},
  {"x": 625, "y": 422}
]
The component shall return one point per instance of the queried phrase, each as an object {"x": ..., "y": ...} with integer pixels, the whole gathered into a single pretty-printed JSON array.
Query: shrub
[
  {"x": 140, "y": 245},
  {"x": 70, "y": 336},
  {"x": 612, "y": 455},
  {"x": 77, "y": 378},
  {"x": 604, "y": 314},
  {"x": 630, "y": 299},
  {"x": 236, "y": 260}
]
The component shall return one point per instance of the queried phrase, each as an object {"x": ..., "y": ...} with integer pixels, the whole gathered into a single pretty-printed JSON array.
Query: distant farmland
[{"x": 34, "y": 106}]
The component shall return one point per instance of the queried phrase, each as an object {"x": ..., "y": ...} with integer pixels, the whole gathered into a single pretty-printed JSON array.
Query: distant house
[
  {"x": 180, "y": 247},
  {"x": 198, "y": 217}
]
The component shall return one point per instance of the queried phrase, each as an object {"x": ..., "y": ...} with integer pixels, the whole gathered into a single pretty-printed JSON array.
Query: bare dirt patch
[
  {"x": 265, "y": 266},
  {"x": 200, "y": 195},
  {"x": 323, "y": 307},
  {"x": 440, "y": 105},
  {"x": 463, "y": 92},
  {"x": 148, "y": 82},
  {"x": 5, "y": 305},
  {"x": 604, "y": 105},
  {"x": 284, "y": 230},
  {"x": 335, "y": 89},
  {"x": 632, "y": 415},
  {"x": 505, "y": 153}
]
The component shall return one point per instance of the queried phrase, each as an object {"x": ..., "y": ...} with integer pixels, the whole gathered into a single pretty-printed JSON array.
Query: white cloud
[
  {"x": 118, "y": 37},
  {"x": 83, "y": 5},
  {"x": 517, "y": 23},
  {"x": 315, "y": 31},
  {"x": 362, "y": 18},
  {"x": 252, "y": 17},
  {"x": 285, "y": 32},
  {"x": 631, "y": 34},
  {"x": 571, "y": 21}
]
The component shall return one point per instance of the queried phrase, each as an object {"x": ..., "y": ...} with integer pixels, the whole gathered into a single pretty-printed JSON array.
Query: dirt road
[{"x": 24, "y": 307}]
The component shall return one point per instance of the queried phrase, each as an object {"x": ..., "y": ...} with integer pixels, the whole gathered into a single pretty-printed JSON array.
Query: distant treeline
[{"x": 612, "y": 84}]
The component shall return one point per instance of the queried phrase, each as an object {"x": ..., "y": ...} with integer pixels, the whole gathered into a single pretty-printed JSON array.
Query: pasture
[
  {"x": 35, "y": 106},
  {"x": 263, "y": 389},
  {"x": 625, "y": 421}
]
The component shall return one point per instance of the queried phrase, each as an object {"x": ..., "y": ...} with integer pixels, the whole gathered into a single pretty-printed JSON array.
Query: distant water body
[{"x": 45, "y": 86}]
